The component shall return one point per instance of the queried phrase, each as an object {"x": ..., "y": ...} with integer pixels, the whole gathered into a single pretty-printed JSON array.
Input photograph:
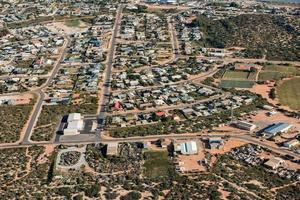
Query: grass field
[
  {"x": 277, "y": 72},
  {"x": 72, "y": 23},
  {"x": 241, "y": 75},
  {"x": 236, "y": 84},
  {"x": 236, "y": 75},
  {"x": 289, "y": 93},
  {"x": 156, "y": 164}
]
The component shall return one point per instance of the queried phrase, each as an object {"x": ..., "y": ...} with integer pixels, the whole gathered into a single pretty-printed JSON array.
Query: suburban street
[
  {"x": 41, "y": 95},
  {"x": 108, "y": 71}
]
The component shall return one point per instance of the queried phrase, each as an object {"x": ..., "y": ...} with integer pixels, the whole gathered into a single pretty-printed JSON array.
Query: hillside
[{"x": 271, "y": 35}]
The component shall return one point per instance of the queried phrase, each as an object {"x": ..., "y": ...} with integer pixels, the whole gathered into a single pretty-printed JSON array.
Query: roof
[
  {"x": 274, "y": 162},
  {"x": 160, "y": 113},
  {"x": 74, "y": 117},
  {"x": 112, "y": 148},
  {"x": 277, "y": 128},
  {"x": 188, "y": 147},
  {"x": 75, "y": 125},
  {"x": 117, "y": 105}
]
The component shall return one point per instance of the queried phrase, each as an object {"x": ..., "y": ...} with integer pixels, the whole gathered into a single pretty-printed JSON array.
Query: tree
[
  {"x": 93, "y": 191},
  {"x": 272, "y": 93},
  {"x": 134, "y": 195}
]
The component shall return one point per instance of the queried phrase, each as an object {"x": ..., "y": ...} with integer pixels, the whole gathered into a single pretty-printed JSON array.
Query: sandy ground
[
  {"x": 19, "y": 99},
  {"x": 60, "y": 26},
  {"x": 264, "y": 90},
  {"x": 224, "y": 194},
  {"x": 190, "y": 162},
  {"x": 48, "y": 151}
]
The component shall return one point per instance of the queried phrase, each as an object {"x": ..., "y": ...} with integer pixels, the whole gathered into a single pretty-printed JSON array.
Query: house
[
  {"x": 274, "y": 163},
  {"x": 274, "y": 129},
  {"x": 291, "y": 143},
  {"x": 245, "y": 125},
  {"x": 215, "y": 142}
]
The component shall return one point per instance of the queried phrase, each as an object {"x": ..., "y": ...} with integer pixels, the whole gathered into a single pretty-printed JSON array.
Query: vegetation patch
[
  {"x": 156, "y": 164},
  {"x": 72, "y": 23},
  {"x": 12, "y": 121},
  {"x": 239, "y": 75},
  {"x": 289, "y": 93},
  {"x": 272, "y": 35},
  {"x": 289, "y": 192}
]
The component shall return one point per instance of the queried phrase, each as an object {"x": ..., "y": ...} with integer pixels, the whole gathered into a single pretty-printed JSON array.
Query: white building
[
  {"x": 75, "y": 124},
  {"x": 74, "y": 117},
  {"x": 187, "y": 148},
  {"x": 245, "y": 125}
]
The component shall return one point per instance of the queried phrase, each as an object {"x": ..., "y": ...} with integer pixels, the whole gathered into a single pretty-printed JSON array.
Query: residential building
[{"x": 274, "y": 163}]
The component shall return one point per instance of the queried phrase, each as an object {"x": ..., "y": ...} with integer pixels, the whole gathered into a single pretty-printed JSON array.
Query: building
[
  {"x": 274, "y": 163},
  {"x": 187, "y": 148},
  {"x": 245, "y": 125},
  {"x": 112, "y": 148},
  {"x": 74, "y": 124},
  {"x": 74, "y": 117},
  {"x": 274, "y": 129},
  {"x": 291, "y": 143},
  {"x": 215, "y": 142}
]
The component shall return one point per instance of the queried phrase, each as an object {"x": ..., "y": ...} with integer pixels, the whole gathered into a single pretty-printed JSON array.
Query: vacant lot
[
  {"x": 236, "y": 84},
  {"x": 289, "y": 93},
  {"x": 156, "y": 164},
  {"x": 12, "y": 121}
]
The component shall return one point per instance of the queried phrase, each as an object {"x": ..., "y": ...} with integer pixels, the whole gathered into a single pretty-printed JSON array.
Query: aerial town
[{"x": 150, "y": 99}]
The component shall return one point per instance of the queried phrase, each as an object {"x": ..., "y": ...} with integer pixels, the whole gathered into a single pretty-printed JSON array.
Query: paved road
[
  {"x": 41, "y": 98},
  {"x": 106, "y": 85},
  {"x": 237, "y": 136},
  {"x": 174, "y": 39}
]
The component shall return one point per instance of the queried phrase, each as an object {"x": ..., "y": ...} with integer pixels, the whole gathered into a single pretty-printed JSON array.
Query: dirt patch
[{"x": 61, "y": 26}]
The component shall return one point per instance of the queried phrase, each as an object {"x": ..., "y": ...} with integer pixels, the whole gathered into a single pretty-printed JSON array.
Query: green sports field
[
  {"x": 236, "y": 75},
  {"x": 289, "y": 93},
  {"x": 236, "y": 84},
  {"x": 277, "y": 72}
]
